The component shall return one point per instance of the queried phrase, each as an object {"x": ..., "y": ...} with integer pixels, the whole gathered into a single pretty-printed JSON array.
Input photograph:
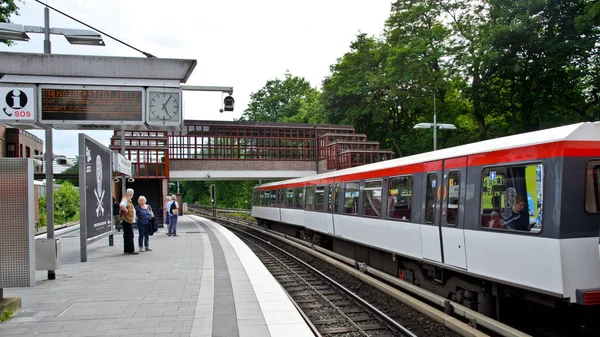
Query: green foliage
[
  {"x": 71, "y": 170},
  {"x": 230, "y": 194},
  {"x": 66, "y": 205},
  {"x": 491, "y": 67},
  {"x": 8, "y": 8},
  {"x": 243, "y": 216},
  {"x": 292, "y": 100},
  {"x": 495, "y": 68},
  {"x": 6, "y": 314}
]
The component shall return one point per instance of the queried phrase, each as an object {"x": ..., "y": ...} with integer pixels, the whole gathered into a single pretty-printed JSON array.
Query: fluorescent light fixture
[
  {"x": 423, "y": 126},
  {"x": 11, "y": 31}
]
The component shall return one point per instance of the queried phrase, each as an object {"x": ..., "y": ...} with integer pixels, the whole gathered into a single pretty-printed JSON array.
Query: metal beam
[
  {"x": 206, "y": 88},
  {"x": 95, "y": 66}
]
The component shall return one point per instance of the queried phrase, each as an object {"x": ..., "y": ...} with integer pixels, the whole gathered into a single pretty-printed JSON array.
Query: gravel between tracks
[{"x": 413, "y": 320}]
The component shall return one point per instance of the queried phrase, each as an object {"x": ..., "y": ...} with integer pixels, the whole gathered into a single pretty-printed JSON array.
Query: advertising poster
[{"x": 98, "y": 203}]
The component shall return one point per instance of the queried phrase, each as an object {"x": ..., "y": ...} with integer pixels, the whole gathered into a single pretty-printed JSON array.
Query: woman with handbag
[{"x": 144, "y": 216}]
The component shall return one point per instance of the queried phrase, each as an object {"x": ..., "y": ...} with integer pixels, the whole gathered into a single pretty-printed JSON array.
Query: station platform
[{"x": 204, "y": 282}]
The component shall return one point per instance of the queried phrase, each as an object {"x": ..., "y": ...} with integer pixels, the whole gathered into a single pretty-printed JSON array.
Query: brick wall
[{"x": 2, "y": 140}]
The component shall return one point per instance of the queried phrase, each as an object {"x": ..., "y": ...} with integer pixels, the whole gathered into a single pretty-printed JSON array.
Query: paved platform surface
[{"x": 205, "y": 282}]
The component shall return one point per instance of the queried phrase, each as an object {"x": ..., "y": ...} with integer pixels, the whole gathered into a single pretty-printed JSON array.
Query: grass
[
  {"x": 6, "y": 314},
  {"x": 243, "y": 216}
]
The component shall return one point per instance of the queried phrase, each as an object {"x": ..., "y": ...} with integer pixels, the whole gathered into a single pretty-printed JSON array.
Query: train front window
[
  {"x": 512, "y": 197},
  {"x": 372, "y": 198},
  {"x": 592, "y": 189}
]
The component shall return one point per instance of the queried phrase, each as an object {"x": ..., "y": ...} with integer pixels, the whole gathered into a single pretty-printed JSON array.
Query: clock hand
[{"x": 168, "y": 99}]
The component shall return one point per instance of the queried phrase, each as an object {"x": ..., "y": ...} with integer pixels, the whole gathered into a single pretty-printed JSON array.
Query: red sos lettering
[{"x": 22, "y": 113}]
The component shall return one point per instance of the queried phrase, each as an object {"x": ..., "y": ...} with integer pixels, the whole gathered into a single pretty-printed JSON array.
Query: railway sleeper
[{"x": 339, "y": 320}]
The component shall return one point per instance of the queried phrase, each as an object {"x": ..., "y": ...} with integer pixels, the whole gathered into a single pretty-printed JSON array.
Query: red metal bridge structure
[{"x": 226, "y": 150}]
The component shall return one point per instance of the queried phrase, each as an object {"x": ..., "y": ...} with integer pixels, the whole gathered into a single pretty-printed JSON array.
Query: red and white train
[{"x": 513, "y": 218}]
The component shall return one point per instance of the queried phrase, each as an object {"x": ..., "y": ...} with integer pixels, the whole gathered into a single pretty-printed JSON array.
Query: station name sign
[{"x": 91, "y": 105}]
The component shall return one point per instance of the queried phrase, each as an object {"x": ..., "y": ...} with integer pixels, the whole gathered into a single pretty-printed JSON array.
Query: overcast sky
[{"x": 239, "y": 43}]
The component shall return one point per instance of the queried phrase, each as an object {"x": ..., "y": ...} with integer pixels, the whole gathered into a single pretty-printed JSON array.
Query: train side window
[
  {"x": 299, "y": 194},
  {"x": 512, "y": 197},
  {"x": 310, "y": 198},
  {"x": 431, "y": 198},
  {"x": 400, "y": 198},
  {"x": 273, "y": 202},
  {"x": 320, "y": 198},
  {"x": 592, "y": 187},
  {"x": 351, "y": 194},
  {"x": 289, "y": 198},
  {"x": 372, "y": 198},
  {"x": 280, "y": 199},
  {"x": 453, "y": 198}
]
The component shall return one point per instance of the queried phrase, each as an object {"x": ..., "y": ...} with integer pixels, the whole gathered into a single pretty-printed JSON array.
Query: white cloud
[{"x": 237, "y": 43}]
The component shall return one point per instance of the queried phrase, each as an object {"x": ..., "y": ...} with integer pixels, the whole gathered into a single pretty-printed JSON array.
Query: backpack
[{"x": 174, "y": 209}]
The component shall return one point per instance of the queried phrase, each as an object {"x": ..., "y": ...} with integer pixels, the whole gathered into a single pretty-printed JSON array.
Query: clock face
[{"x": 164, "y": 106}]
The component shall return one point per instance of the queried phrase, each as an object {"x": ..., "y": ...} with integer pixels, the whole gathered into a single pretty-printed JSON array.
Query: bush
[{"x": 66, "y": 205}]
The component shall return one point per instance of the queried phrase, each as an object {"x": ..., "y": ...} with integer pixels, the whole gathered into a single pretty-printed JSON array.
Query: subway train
[{"x": 491, "y": 225}]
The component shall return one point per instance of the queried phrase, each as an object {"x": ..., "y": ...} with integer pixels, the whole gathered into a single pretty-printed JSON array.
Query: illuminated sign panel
[{"x": 92, "y": 105}]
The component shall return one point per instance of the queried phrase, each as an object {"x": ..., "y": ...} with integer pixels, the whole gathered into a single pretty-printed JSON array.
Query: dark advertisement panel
[
  {"x": 92, "y": 104},
  {"x": 98, "y": 180}
]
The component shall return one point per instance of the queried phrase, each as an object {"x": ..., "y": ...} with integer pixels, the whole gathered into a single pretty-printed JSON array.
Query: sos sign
[{"x": 17, "y": 103}]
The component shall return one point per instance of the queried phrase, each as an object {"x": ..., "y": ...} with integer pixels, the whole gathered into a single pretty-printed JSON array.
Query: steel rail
[{"x": 387, "y": 320}]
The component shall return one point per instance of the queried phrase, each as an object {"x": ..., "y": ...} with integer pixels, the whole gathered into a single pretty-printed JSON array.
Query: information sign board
[
  {"x": 121, "y": 164},
  {"x": 69, "y": 104},
  {"x": 18, "y": 103}
]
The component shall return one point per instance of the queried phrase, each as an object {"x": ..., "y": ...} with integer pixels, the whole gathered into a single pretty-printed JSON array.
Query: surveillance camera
[
  {"x": 117, "y": 179},
  {"x": 37, "y": 162},
  {"x": 229, "y": 102},
  {"x": 130, "y": 180},
  {"x": 64, "y": 162},
  {"x": 221, "y": 110}
]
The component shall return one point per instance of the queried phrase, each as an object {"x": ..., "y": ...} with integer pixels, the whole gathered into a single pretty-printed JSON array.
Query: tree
[
  {"x": 546, "y": 53},
  {"x": 8, "y": 8},
  {"x": 66, "y": 205},
  {"x": 282, "y": 101},
  {"x": 71, "y": 170}
]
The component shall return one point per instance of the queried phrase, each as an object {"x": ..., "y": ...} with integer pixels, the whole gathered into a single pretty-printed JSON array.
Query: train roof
[{"x": 587, "y": 131}]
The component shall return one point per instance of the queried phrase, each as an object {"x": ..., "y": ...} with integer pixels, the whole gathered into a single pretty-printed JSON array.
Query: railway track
[{"x": 332, "y": 309}]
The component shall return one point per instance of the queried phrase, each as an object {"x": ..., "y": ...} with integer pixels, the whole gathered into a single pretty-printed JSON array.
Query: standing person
[
  {"x": 127, "y": 215},
  {"x": 168, "y": 202},
  {"x": 143, "y": 213},
  {"x": 173, "y": 215},
  {"x": 116, "y": 209}
]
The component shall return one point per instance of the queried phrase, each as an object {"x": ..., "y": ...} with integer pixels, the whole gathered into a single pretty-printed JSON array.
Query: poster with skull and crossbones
[{"x": 97, "y": 188}]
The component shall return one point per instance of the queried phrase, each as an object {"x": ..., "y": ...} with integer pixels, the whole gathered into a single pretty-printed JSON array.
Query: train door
[
  {"x": 431, "y": 241},
  {"x": 452, "y": 220},
  {"x": 334, "y": 201}
]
